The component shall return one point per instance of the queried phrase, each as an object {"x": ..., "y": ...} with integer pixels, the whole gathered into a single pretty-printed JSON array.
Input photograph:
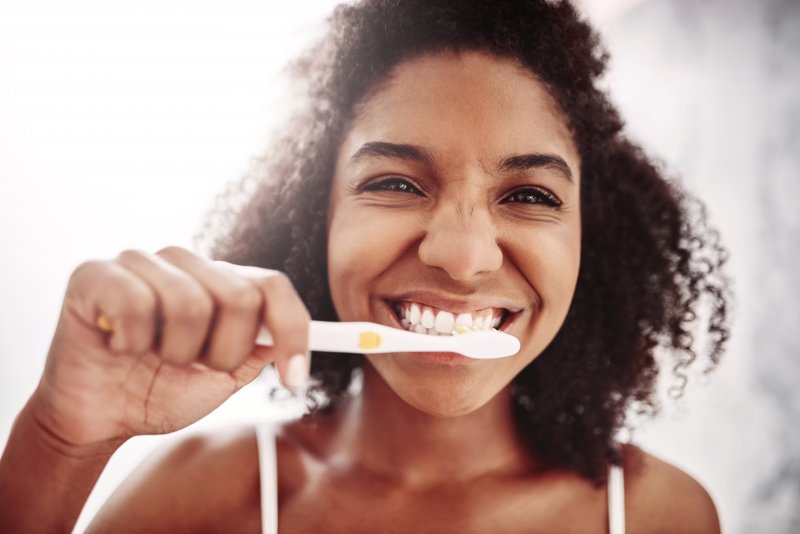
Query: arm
[
  {"x": 44, "y": 482},
  {"x": 146, "y": 344}
]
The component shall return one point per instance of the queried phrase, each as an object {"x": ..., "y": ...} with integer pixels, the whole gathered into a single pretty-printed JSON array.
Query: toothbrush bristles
[{"x": 469, "y": 329}]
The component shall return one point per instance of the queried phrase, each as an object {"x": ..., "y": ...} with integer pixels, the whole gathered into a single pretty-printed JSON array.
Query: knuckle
[
  {"x": 172, "y": 251},
  {"x": 87, "y": 270},
  {"x": 139, "y": 302},
  {"x": 193, "y": 309},
  {"x": 131, "y": 256},
  {"x": 200, "y": 311},
  {"x": 279, "y": 288},
  {"x": 304, "y": 313},
  {"x": 291, "y": 329},
  {"x": 223, "y": 264},
  {"x": 243, "y": 297},
  {"x": 278, "y": 281},
  {"x": 297, "y": 321},
  {"x": 289, "y": 311},
  {"x": 201, "y": 308}
]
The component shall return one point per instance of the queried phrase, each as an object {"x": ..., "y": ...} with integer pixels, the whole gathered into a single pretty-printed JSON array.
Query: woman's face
[{"x": 456, "y": 198}]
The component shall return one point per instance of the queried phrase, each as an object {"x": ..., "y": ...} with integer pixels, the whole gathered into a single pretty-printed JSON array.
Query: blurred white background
[{"x": 121, "y": 121}]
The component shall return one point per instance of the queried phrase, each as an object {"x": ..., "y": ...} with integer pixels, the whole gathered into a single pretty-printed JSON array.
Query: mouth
[{"x": 425, "y": 319}]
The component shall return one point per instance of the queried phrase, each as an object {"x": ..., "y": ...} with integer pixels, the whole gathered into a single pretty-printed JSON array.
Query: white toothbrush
[{"x": 372, "y": 338}]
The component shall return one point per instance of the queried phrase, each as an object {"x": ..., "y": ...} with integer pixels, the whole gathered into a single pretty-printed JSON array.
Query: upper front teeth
[
  {"x": 423, "y": 319},
  {"x": 427, "y": 320},
  {"x": 444, "y": 322}
]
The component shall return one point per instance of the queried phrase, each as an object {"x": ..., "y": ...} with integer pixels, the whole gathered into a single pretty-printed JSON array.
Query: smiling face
[{"x": 455, "y": 199}]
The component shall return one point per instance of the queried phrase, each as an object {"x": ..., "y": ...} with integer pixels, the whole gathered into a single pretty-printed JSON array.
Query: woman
[{"x": 450, "y": 159}]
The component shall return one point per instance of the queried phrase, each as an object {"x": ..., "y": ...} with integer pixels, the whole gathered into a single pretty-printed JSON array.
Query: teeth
[
  {"x": 463, "y": 319},
  {"x": 444, "y": 322},
  {"x": 414, "y": 314},
  {"x": 468, "y": 329},
  {"x": 427, "y": 318},
  {"x": 424, "y": 320}
]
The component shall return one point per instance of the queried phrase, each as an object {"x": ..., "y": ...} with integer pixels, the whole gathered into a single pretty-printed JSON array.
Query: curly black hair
[{"x": 651, "y": 279}]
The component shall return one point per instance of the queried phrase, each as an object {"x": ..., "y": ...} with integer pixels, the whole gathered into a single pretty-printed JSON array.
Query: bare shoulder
[
  {"x": 188, "y": 485},
  {"x": 659, "y": 497}
]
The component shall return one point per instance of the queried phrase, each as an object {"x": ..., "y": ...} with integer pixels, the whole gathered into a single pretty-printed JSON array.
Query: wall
[{"x": 712, "y": 88}]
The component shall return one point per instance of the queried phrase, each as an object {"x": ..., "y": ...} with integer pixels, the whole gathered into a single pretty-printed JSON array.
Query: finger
[
  {"x": 186, "y": 307},
  {"x": 287, "y": 319},
  {"x": 127, "y": 304},
  {"x": 238, "y": 308}
]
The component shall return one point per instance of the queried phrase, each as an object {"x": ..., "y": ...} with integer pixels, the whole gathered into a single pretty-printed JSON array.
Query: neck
[{"x": 386, "y": 436}]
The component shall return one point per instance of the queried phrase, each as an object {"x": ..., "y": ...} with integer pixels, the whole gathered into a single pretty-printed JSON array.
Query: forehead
[{"x": 450, "y": 101}]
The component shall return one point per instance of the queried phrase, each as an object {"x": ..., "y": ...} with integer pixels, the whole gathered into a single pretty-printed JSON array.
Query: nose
[{"x": 462, "y": 242}]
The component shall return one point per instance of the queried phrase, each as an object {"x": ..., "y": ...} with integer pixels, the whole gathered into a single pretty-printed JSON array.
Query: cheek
[
  {"x": 550, "y": 260},
  {"x": 563, "y": 258},
  {"x": 360, "y": 248}
]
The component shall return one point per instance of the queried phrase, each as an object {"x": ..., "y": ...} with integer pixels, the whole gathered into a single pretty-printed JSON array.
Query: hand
[{"x": 175, "y": 339}]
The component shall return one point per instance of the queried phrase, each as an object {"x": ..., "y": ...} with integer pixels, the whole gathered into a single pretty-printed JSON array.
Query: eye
[
  {"x": 533, "y": 195},
  {"x": 393, "y": 184}
]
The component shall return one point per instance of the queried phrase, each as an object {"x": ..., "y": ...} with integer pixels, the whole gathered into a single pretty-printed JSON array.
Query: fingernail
[{"x": 296, "y": 371}]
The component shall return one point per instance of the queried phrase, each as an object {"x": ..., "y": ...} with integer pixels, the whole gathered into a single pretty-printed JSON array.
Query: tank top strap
[
  {"x": 268, "y": 472},
  {"x": 616, "y": 500}
]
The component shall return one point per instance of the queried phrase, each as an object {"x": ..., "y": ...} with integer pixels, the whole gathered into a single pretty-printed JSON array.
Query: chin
[
  {"x": 449, "y": 400},
  {"x": 439, "y": 390}
]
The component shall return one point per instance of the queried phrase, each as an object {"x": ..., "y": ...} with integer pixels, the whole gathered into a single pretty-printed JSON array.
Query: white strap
[
  {"x": 616, "y": 500},
  {"x": 268, "y": 471}
]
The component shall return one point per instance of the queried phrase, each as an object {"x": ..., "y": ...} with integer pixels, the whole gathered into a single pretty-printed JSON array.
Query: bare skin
[
  {"x": 429, "y": 445},
  {"x": 217, "y": 481},
  {"x": 182, "y": 343}
]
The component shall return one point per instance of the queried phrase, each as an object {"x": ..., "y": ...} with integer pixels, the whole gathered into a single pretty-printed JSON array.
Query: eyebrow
[
  {"x": 520, "y": 162},
  {"x": 382, "y": 149},
  {"x": 524, "y": 162}
]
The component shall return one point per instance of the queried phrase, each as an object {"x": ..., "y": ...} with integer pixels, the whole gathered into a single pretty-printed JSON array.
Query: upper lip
[{"x": 457, "y": 305}]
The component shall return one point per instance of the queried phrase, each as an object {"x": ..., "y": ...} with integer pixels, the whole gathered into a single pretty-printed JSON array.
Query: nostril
[{"x": 464, "y": 260}]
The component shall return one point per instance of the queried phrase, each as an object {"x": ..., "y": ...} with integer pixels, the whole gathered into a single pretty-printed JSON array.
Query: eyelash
[
  {"x": 392, "y": 184},
  {"x": 526, "y": 195},
  {"x": 533, "y": 195}
]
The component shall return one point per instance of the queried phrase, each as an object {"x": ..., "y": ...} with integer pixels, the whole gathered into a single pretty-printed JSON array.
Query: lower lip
[{"x": 440, "y": 358}]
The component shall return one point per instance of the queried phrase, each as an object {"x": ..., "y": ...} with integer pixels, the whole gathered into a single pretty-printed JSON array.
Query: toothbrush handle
[
  {"x": 327, "y": 336},
  {"x": 372, "y": 338},
  {"x": 358, "y": 338}
]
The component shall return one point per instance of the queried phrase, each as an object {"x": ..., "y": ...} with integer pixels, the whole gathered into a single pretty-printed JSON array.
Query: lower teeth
[{"x": 419, "y": 329}]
